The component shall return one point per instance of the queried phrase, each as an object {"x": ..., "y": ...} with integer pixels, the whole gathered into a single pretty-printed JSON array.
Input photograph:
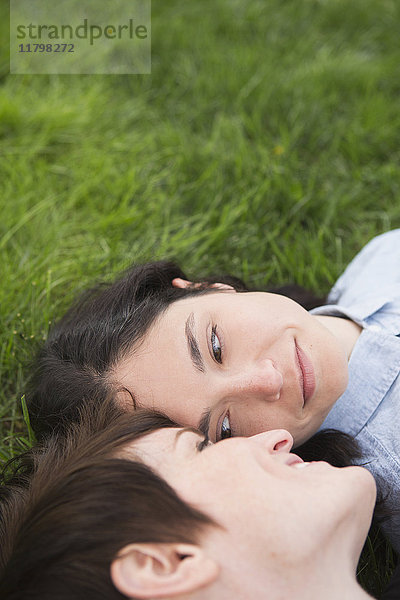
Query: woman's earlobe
[{"x": 148, "y": 571}]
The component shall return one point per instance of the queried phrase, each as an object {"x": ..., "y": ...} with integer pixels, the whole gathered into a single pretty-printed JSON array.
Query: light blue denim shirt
[{"x": 368, "y": 292}]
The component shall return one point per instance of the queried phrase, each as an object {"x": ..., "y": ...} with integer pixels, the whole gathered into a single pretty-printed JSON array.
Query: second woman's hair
[{"x": 71, "y": 504}]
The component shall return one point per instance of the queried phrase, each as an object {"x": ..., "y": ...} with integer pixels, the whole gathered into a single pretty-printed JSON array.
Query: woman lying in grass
[
  {"x": 236, "y": 364},
  {"x": 143, "y": 509}
]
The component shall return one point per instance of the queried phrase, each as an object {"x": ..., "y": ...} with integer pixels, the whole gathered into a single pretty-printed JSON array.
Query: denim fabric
[{"x": 368, "y": 292}]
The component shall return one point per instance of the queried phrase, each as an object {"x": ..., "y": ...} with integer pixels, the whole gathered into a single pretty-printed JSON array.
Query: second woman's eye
[
  {"x": 226, "y": 431},
  {"x": 216, "y": 345},
  {"x": 203, "y": 444}
]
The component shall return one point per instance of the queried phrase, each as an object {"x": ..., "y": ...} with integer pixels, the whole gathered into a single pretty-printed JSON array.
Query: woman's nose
[
  {"x": 262, "y": 379},
  {"x": 276, "y": 440}
]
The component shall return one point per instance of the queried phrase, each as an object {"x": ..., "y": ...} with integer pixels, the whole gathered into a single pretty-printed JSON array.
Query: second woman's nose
[{"x": 275, "y": 440}]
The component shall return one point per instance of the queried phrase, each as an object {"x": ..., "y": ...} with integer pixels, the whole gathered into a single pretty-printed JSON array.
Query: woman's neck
[
  {"x": 332, "y": 587},
  {"x": 329, "y": 585},
  {"x": 345, "y": 330}
]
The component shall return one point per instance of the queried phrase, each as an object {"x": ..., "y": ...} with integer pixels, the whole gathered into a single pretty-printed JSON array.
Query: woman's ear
[
  {"x": 162, "y": 570},
  {"x": 125, "y": 399},
  {"x": 184, "y": 283},
  {"x": 178, "y": 282}
]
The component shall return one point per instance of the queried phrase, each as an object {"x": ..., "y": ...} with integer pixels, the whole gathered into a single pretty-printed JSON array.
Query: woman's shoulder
[
  {"x": 374, "y": 271},
  {"x": 385, "y": 242}
]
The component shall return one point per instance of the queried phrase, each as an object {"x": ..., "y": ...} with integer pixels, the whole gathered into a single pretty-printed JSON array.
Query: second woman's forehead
[
  {"x": 162, "y": 439},
  {"x": 165, "y": 447},
  {"x": 152, "y": 446}
]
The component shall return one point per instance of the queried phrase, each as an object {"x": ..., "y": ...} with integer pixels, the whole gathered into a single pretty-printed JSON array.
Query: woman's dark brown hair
[
  {"x": 72, "y": 503},
  {"x": 75, "y": 365}
]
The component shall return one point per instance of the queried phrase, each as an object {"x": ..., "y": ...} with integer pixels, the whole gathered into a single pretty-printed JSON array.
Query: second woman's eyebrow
[
  {"x": 193, "y": 345},
  {"x": 188, "y": 430},
  {"x": 204, "y": 423}
]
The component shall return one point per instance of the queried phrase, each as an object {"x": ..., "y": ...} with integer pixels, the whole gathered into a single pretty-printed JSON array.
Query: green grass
[{"x": 265, "y": 143}]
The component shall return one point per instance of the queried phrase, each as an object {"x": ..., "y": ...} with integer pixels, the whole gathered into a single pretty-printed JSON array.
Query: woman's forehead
[
  {"x": 209, "y": 296},
  {"x": 180, "y": 310},
  {"x": 158, "y": 447},
  {"x": 153, "y": 444}
]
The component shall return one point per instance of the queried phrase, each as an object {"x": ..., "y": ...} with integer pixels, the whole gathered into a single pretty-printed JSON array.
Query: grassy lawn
[{"x": 265, "y": 143}]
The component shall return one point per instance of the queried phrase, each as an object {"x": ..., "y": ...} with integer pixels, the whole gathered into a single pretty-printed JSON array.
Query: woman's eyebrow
[
  {"x": 204, "y": 423},
  {"x": 187, "y": 430},
  {"x": 193, "y": 345}
]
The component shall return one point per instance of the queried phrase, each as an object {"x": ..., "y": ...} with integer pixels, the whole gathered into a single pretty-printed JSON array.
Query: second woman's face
[
  {"x": 273, "y": 507},
  {"x": 235, "y": 364}
]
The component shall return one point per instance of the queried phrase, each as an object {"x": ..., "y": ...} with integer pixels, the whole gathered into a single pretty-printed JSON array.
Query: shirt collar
[{"x": 374, "y": 365}]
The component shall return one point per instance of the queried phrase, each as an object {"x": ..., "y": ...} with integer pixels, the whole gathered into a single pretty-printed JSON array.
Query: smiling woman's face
[{"x": 237, "y": 364}]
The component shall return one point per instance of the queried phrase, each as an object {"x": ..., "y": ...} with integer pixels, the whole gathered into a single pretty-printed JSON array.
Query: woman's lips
[{"x": 307, "y": 373}]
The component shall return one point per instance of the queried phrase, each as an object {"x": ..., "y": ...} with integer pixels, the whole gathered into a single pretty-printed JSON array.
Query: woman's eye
[
  {"x": 203, "y": 444},
  {"x": 216, "y": 345},
  {"x": 226, "y": 428}
]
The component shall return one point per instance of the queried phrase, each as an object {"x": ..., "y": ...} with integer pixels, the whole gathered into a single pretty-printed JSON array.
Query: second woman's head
[
  {"x": 208, "y": 356},
  {"x": 143, "y": 509}
]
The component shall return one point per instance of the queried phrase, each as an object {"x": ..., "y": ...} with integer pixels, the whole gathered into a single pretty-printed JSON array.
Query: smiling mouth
[{"x": 306, "y": 372}]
